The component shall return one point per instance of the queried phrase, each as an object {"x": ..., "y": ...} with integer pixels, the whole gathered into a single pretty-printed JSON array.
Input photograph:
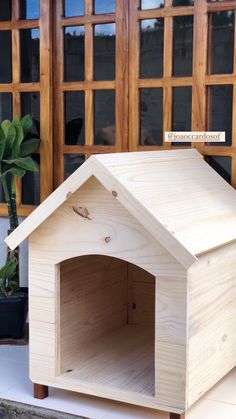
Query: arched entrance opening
[{"x": 106, "y": 328}]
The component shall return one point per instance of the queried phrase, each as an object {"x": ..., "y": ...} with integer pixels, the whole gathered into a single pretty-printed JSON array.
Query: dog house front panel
[{"x": 92, "y": 221}]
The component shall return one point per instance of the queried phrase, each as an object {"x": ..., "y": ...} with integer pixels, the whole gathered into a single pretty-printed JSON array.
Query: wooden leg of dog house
[
  {"x": 40, "y": 391},
  {"x": 177, "y": 416}
]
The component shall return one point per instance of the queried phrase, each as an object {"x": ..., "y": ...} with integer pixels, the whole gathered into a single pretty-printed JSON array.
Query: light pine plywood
[
  {"x": 124, "y": 194},
  {"x": 120, "y": 359},
  {"x": 171, "y": 340},
  {"x": 211, "y": 320},
  {"x": 141, "y": 296},
  {"x": 110, "y": 231},
  {"x": 188, "y": 198},
  {"x": 93, "y": 302},
  {"x": 92, "y": 221}
]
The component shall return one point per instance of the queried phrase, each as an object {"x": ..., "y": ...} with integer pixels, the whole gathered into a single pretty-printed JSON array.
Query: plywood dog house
[{"x": 132, "y": 280}]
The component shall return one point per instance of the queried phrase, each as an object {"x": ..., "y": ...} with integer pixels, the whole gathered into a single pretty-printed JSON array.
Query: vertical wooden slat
[
  {"x": 89, "y": 72},
  {"x": 233, "y": 168},
  {"x": 122, "y": 11},
  {"x": 167, "y": 72},
  {"x": 17, "y": 111},
  {"x": 88, "y": 7},
  {"x": 199, "y": 68},
  {"x": 15, "y": 10},
  {"x": 89, "y": 117},
  {"x": 46, "y": 150},
  {"x": 58, "y": 95},
  {"x": 134, "y": 33},
  {"x": 16, "y": 79}
]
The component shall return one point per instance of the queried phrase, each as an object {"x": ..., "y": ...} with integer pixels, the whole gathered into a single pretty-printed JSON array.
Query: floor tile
[
  {"x": 61, "y": 400},
  {"x": 125, "y": 411},
  {"x": 225, "y": 390},
  {"x": 15, "y": 353},
  {"x": 11, "y": 373},
  {"x": 209, "y": 409}
]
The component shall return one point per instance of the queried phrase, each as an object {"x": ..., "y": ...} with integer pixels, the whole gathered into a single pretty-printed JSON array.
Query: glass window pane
[
  {"x": 104, "y": 117},
  {"x": 104, "y": 51},
  {"x": 182, "y": 108},
  {"x": 220, "y": 99},
  {"x": 74, "y": 53},
  {"x": 29, "y": 47},
  {"x": 182, "y": 45},
  {"x": 29, "y": 9},
  {"x": 72, "y": 162},
  {"x": 5, "y": 48},
  {"x": 151, "y": 48},
  {"x": 104, "y": 6},
  {"x": 5, "y": 10},
  {"x": 5, "y": 106},
  {"x": 151, "y": 116},
  {"x": 152, "y": 4},
  {"x": 222, "y": 165},
  {"x": 30, "y": 104},
  {"x": 73, "y": 8},
  {"x": 74, "y": 118},
  {"x": 181, "y": 111},
  {"x": 183, "y": 2},
  {"x": 31, "y": 186},
  {"x": 222, "y": 42}
]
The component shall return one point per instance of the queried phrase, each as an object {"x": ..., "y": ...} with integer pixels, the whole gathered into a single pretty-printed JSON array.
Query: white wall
[{"x": 4, "y": 225}]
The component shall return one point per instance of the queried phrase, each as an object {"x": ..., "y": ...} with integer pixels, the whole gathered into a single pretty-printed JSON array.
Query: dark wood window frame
[{"x": 127, "y": 83}]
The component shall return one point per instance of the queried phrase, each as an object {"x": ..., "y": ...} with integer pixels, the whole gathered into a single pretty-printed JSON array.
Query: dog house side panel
[{"x": 211, "y": 320}]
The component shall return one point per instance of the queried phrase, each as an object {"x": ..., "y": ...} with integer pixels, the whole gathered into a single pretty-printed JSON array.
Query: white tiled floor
[{"x": 218, "y": 403}]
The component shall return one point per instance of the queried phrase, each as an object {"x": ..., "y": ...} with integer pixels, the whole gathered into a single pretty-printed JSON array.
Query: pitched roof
[{"x": 175, "y": 194}]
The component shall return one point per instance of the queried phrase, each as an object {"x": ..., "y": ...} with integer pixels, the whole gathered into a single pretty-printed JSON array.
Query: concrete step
[{"x": 13, "y": 410}]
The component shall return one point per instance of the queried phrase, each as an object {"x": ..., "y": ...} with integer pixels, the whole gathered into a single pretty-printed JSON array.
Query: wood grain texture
[
  {"x": 143, "y": 184},
  {"x": 93, "y": 302},
  {"x": 156, "y": 201},
  {"x": 94, "y": 297},
  {"x": 211, "y": 320},
  {"x": 127, "y": 83},
  {"x": 194, "y": 226},
  {"x": 46, "y": 129},
  {"x": 199, "y": 68}
]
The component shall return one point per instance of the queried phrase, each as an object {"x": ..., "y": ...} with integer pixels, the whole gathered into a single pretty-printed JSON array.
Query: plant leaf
[
  {"x": 26, "y": 163},
  {"x": 19, "y": 137},
  {"x": 9, "y": 269},
  {"x": 15, "y": 171},
  {"x": 26, "y": 124},
  {"x": 29, "y": 147},
  {"x": 13, "y": 286},
  {"x": 10, "y": 134},
  {"x": 2, "y": 143}
]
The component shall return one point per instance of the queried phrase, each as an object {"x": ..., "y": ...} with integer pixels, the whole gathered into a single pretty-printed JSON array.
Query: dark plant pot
[{"x": 13, "y": 314}]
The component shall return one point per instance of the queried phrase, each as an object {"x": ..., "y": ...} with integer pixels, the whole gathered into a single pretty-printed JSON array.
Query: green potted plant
[{"x": 15, "y": 161}]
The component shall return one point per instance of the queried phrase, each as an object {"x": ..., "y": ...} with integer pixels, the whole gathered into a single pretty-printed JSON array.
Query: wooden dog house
[{"x": 132, "y": 280}]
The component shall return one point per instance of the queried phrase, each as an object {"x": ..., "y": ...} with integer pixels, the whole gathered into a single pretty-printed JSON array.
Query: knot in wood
[
  {"x": 114, "y": 193},
  {"x": 82, "y": 211},
  {"x": 107, "y": 239},
  {"x": 68, "y": 194}
]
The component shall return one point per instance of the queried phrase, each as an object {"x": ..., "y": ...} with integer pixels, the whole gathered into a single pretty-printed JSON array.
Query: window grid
[
  {"x": 44, "y": 87},
  {"x": 127, "y": 84},
  {"x": 89, "y": 85},
  {"x": 199, "y": 81}
]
